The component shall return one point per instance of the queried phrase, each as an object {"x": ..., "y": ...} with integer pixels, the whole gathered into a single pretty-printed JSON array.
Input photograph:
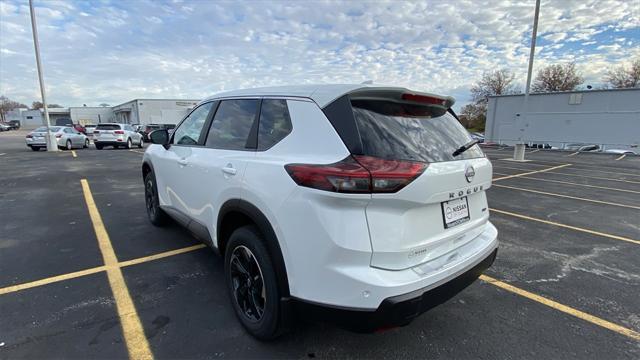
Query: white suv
[
  {"x": 358, "y": 204},
  {"x": 116, "y": 135}
]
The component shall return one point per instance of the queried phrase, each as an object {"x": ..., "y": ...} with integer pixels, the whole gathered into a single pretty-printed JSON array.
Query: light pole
[
  {"x": 52, "y": 144},
  {"x": 518, "y": 151}
]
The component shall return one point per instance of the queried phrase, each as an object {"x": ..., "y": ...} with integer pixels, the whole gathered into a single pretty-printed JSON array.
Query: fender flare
[{"x": 265, "y": 227}]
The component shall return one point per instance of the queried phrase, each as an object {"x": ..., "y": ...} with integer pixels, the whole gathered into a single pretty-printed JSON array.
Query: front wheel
[
  {"x": 35, "y": 148},
  {"x": 128, "y": 146},
  {"x": 156, "y": 215},
  {"x": 252, "y": 283},
  {"x": 69, "y": 146},
  {"x": 141, "y": 143},
  {"x": 98, "y": 147}
]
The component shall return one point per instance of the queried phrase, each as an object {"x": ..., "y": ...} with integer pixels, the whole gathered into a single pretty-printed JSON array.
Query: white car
[
  {"x": 66, "y": 136},
  {"x": 116, "y": 135},
  {"x": 357, "y": 204}
]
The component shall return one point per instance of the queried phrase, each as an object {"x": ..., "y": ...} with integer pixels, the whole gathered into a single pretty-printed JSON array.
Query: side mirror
[{"x": 160, "y": 137}]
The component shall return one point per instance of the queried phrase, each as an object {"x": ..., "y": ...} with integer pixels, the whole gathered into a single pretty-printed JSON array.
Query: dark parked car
[{"x": 14, "y": 124}]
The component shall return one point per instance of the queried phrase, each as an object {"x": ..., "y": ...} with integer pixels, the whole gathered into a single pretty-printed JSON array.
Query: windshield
[{"x": 391, "y": 130}]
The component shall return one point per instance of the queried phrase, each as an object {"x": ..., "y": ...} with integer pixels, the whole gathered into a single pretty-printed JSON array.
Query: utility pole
[
  {"x": 518, "y": 151},
  {"x": 52, "y": 144}
]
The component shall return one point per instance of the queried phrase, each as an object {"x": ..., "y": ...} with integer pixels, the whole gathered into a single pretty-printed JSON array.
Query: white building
[
  {"x": 138, "y": 111},
  {"x": 153, "y": 111},
  {"x": 609, "y": 118}
]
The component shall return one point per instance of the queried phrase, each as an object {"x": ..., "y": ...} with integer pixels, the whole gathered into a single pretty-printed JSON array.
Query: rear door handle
[
  {"x": 229, "y": 170},
  {"x": 183, "y": 162}
]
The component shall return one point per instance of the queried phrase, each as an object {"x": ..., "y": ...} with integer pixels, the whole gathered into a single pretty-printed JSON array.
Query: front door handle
[
  {"x": 229, "y": 170},
  {"x": 183, "y": 162}
]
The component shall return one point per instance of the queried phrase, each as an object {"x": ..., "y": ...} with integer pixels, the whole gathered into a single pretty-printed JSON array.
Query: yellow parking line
[
  {"x": 49, "y": 280},
  {"x": 563, "y": 308},
  {"x": 160, "y": 255},
  {"x": 621, "y": 157},
  {"x": 567, "y": 196},
  {"x": 137, "y": 343},
  {"x": 73, "y": 153},
  {"x": 576, "y": 184},
  {"x": 76, "y": 274},
  {"x": 573, "y": 154},
  {"x": 593, "y": 232},
  {"x": 531, "y": 172}
]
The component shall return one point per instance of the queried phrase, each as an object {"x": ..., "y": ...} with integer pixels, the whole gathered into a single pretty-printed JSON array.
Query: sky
[{"x": 112, "y": 51}]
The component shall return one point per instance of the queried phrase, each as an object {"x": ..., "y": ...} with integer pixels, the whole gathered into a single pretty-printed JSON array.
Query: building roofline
[
  {"x": 566, "y": 92},
  {"x": 147, "y": 99}
]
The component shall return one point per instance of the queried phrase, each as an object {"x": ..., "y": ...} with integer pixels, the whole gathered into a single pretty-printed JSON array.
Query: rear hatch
[
  {"x": 108, "y": 132},
  {"x": 445, "y": 206}
]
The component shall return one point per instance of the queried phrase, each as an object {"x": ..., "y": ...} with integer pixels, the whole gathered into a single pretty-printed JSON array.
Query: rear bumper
[{"x": 396, "y": 310}]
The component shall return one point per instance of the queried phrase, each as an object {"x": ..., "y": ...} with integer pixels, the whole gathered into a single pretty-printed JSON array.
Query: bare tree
[
  {"x": 557, "y": 77},
  {"x": 499, "y": 82},
  {"x": 7, "y": 105},
  {"x": 622, "y": 77},
  {"x": 37, "y": 105}
]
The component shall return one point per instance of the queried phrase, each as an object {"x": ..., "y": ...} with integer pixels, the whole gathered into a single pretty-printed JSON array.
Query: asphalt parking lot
[{"x": 566, "y": 282}]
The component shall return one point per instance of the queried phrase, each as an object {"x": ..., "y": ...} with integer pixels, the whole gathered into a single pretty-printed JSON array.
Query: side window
[
  {"x": 232, "y": 124},
  {"x": 188, "y": 133},
  {"x": 68, "y": 131},
  {"x": 275, "y": 123}
]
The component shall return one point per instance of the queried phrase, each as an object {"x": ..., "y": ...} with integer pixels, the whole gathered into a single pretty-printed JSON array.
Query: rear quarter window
[
  {"x": 397, "y": 131},
  {"x": 275, "y": 123}
]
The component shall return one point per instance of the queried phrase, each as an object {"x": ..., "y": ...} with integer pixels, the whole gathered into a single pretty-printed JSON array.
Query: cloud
[{"x": 113, "y": 51}]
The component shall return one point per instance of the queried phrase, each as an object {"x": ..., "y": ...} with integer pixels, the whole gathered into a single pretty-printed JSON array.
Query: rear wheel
[
  {"x": 141, "y": 143},
  {"x": 86, "y": 143},
  {"x": 252, "y": 284},
  {"x": 35, "y": 148},
  {"x": 156, "y": 215}
]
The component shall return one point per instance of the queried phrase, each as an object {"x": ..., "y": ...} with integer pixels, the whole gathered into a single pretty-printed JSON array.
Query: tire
[
  {"x": 129, "y": 144},
  {"x": 141, "y": 143},
  {"x": 98, "y": 147},
  {"x": 156, "y": 215},
  {"x": 86, "y": 143},
  {"x": 35, "y": 148},
  {"x": 69, "y": 146},
  {"x": 246, "y": 245}
]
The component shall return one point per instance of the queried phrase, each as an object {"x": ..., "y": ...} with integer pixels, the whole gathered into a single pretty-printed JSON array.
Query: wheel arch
[
  {"x": 235, "y": 213},
  {"x": 146, "y": 168}
]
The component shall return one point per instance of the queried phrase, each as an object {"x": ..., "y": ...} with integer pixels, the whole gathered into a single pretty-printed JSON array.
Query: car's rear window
[
  {"x": 108, "y": 127},
  {"x": 399, "y": 131},
  {"x": 44, "y": 129}
]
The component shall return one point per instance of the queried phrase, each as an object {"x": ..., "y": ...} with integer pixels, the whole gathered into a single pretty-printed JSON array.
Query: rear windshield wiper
[{"x": 465, "y": 147}]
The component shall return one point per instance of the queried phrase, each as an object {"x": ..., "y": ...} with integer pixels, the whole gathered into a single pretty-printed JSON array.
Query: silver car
[
  {"x": 116, "y": 135},
  {"x": 66, "y": 137}
]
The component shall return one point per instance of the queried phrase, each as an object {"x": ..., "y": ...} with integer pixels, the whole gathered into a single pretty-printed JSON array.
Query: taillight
[
  {"x": 357, "y": 174},
  {"x": 119, "y": 132},
  {"x": 29, "y": 136}
]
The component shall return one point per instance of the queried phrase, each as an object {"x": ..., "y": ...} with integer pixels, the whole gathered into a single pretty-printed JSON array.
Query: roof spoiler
[{"x": 406, "y": 96}]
